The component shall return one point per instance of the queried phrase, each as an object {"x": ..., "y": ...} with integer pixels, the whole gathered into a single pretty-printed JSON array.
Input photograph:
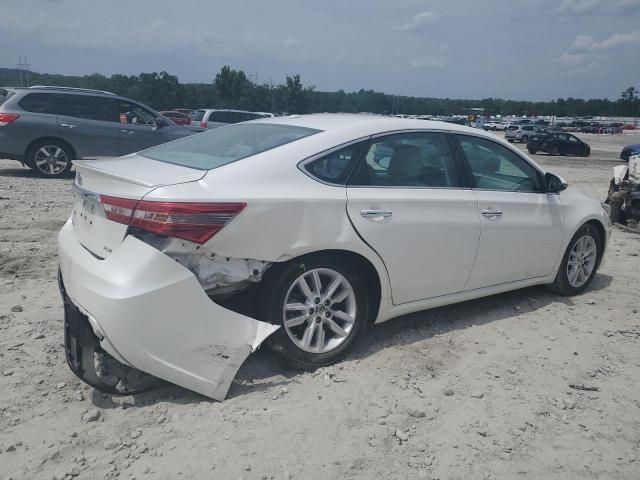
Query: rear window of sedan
[{"x": 205, "y": 151}]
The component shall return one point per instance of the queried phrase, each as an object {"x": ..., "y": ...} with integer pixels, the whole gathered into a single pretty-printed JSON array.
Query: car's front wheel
[
  {"x": 321, "y": 304},
  {"x": 580, "y": 262},
  {"x": 50, "y": 158}
]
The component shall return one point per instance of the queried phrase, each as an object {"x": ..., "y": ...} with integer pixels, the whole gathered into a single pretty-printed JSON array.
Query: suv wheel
[
  {"x": 525, "y": 139},
  {"x": 322, "y": 306},
  {"x": 50, "y": 158}
]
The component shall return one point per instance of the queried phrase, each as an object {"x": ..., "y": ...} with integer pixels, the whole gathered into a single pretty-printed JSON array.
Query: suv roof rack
[{"x": 73, "y": 89}]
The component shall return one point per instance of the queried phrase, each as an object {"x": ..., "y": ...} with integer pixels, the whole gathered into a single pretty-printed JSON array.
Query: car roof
[
  {"x": 65, "y": 90},
  {"x": 364, "y": 125},
  {"x": 223, "y": 110}
]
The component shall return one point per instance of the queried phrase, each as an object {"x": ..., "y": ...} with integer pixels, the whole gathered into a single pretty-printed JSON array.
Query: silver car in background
[{"x": 214, "y": 118}]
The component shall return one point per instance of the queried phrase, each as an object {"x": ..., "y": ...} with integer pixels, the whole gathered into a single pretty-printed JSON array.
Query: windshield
[{"x": 223, "y": 145}]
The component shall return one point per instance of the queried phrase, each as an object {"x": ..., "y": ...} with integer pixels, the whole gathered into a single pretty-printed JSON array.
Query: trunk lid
[{"x": 129, "y": 177}]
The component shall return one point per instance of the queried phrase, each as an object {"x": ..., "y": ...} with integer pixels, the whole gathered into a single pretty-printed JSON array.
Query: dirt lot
[{"x": 478, "y": 390}]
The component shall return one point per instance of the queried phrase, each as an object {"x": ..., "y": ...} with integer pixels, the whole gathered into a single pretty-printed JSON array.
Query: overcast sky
[{"x": 517, "y": 49}]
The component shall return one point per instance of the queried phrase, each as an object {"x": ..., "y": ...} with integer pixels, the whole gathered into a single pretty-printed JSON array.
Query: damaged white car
[{"x": 181, "y": 260}]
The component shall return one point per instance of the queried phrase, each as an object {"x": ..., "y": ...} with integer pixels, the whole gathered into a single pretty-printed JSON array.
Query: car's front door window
[
  {"x": 131, "y": 113},
  {"x": 495, "y": 167}
]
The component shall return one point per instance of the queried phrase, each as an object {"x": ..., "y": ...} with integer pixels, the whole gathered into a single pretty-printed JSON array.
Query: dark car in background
[
  {"x": 629, "y": 150},
  {"x": 558, "y": 143},
  {"x": 47, "y": 127},
  {"x": 177, "y": 117}
]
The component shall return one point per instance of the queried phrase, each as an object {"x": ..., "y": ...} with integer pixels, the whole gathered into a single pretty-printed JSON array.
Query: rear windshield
[
  {"x": 220, "y": 146},
  {"x": 198, "y": 114},
  {"x": 4, "y": 95}
]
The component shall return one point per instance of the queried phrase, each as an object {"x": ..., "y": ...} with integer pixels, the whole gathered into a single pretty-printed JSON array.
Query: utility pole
[{"x": 23, "y": 67}]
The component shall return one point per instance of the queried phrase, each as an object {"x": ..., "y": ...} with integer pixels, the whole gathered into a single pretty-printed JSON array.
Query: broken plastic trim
[
  {"x": 218, "y": 275},
  {"x": 91, "y": 364}
]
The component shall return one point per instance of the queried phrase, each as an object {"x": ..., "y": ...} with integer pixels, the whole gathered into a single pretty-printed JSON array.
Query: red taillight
[
  {"x": 7, "y": 118},
  {"x": 203, "y": 124},
  {"x": 196, "y": 222}
]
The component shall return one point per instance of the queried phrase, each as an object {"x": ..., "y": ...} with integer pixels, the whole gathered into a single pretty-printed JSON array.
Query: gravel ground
[{"x": 479, "y": 390}]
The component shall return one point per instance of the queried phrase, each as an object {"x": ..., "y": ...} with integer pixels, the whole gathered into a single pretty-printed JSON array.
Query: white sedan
[{"x": 181, "y": 260}]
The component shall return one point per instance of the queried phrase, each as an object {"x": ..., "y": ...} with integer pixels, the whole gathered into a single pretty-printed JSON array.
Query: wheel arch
[
  {"x": 371, "y": 276},
  {"x": 597, "y": 224},
  {"x": 49, "y": 138}
]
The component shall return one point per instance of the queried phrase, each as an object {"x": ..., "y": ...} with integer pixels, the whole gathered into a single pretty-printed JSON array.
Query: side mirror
[
  {"x": 555, "y": 184},
  {"x": 162, "y": 122}
]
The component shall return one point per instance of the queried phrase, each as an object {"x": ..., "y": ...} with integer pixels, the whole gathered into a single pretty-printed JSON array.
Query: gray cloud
[
  {"x": 420, "y": 21},
  {"x": 466, "y": 48}
]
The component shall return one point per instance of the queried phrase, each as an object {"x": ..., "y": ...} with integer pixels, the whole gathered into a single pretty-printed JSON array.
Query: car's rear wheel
[
  {"x": 580, "y": 262},
  {"x": 553, "y": 150},
  {"x": 50, "y": 158},
  {"x": 322, "y": 306}
]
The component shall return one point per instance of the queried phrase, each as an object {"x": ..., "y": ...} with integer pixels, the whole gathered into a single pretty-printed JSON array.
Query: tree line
[{"x": 232, "y": 88}]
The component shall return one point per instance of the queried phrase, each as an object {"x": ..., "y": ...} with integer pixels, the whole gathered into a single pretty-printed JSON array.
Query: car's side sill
[{"x": 434, "y": 302}]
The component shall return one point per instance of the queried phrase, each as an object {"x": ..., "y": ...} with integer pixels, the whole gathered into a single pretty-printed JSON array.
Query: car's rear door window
[
  {"x": 420, "y": 159},
  {"x": 223, "y": 117},
  {"x": 90, "y": 108},
  {"x": 224, "y": 145},
  {"x": 495, "y": 167}
]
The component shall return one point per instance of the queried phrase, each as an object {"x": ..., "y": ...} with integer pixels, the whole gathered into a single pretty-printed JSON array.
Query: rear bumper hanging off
[
  {"x": 149, "y": 312},
  {"x": 89, "y": 361}
]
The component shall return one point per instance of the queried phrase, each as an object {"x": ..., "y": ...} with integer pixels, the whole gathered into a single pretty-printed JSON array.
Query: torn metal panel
[{"x": 156, "y": 315}]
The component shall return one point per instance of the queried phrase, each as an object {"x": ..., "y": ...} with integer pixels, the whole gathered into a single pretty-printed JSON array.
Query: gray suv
[
  {"x": 521, "y": 133},
  {"x": 47, "y": 127}
]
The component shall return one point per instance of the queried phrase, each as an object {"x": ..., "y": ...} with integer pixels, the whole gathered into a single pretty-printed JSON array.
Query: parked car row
[{"x": 47, "y": 127}]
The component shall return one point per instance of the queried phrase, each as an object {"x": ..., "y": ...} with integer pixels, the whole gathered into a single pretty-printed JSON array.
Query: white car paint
[{"x": 436, "y": 249}]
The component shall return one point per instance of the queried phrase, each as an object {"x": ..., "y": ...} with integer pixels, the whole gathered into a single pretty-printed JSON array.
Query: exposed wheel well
[
  {"x": 50, "y": 139},
  {"x": 362, "y": 264}
]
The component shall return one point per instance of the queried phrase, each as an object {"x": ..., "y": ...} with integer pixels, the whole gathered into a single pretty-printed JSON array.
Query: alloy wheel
[
  {"x": 51, "y": 159},
  {"x": 582, "y": 261},
  {"x": 319, "y": 310}
]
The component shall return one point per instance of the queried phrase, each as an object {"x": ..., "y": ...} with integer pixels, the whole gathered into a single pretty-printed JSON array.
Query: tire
[
  {"x": 562, "y": 283},
  {"x": 525, "y": 139},
  {"x": 50, "y": 158},
  {"x": 554, "y": 151},
  {"x": 532, "y": 151},
  {"x": 283, "y": 287}
]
